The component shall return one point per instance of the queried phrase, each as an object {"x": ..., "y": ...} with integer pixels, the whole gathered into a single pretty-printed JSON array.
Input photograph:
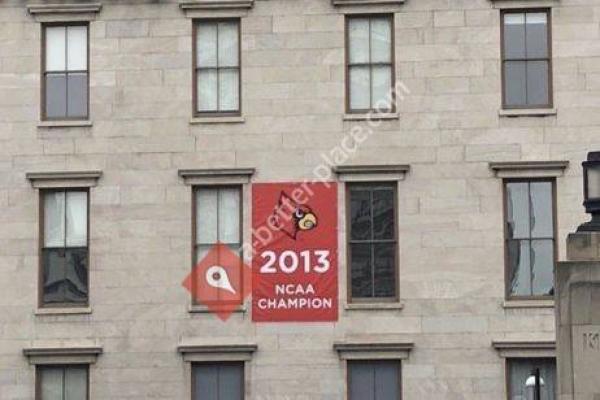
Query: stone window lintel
[
  {"x": 529, "y": 169},
  {"x": 373, "y": 350},
  {"x": 63, "y": 179}
]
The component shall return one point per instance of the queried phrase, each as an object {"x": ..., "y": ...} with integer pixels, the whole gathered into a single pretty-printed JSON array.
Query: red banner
[{"x": 295, "y": 272}]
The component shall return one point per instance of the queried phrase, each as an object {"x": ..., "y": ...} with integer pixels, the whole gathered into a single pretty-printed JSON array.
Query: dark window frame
[
  {"x": 41, "y": 247},
  {"x": 507, "y": 375},
  {"x": 549, "y": 57},
  {"x": 40, "y": 368},
  {"x": 195, "y": 69},
  {"x": 373, "y": 361},
  {"x": 347, "y": 65},
  {"x": 213, "y": 363},
  {"x": 195, "y": 190},
  {"x": 507, "y": 265},
  {"x": 372, "y": 300},
  {"x": 44, "y": 73}
]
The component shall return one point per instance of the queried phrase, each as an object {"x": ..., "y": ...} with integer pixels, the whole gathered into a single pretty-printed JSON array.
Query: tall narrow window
[
  {"x": 374, "y": 380},
  {"x": 370, "y": 64},
  {"x": 62, "y": 382},
  {"x": 530, "y": 232},
  {"x": 372, "y": 242},
  {"x": 66, "y": 75},
  {"x": 218, "y": 381},
  {"x": 218, "y": 219},
  {"x": 65, "y": 248},
  {"x": 526, "y": 59},
  {"x": 531, "y": 379},
  {"x": 217, "y": 67}
]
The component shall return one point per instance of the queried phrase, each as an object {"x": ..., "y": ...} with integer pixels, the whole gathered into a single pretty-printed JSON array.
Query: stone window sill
[
  {"x": 64, "y": 311},
  {"x": 217, "y": 120},
  {"x": 373, "y": 306},
  {"x": 201, "y": 309},
  {"x": 371, "y": 116},
  {"x": 516, "y": 304},
  {"x": 527, "y": 112},
  {"x": 65, "y": 124}
]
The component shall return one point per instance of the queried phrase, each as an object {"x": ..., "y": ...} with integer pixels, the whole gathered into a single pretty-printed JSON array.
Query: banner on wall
[{"x": 295, "y": 271}]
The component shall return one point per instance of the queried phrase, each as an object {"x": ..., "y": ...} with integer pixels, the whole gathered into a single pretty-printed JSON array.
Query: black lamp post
[
  {"x": 591, "y": 192},
  {"x": 534, "y": 385}
]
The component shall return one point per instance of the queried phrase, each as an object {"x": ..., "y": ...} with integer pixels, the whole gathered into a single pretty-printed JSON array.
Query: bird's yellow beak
[{"x": 308, "y": 222}]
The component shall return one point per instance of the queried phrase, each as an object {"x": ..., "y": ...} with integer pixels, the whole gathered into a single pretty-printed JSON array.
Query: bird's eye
[{"x": 299, "y": 213}]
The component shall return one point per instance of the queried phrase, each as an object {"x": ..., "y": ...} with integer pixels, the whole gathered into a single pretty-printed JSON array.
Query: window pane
[
  {"x": 537, "y": 35},
  {"x": 360, "y": 214},
  {"x": 207, "y": 90},
  {"x": 77, "y": 219},
  {"x": 387, "y": 380},
  {"x": 594, "y": 182},
  {"x": 202, "y": 251},
  {"x": 382, "y": 86},
  {"x": 358, "y": 36},
  {"x": 542, "y": 261},
  {"x": 231, "y": 381},
  {"x": 206, "y": 218},
  {"x": 542, "y": 220},
  {"x": 206, "y": 379},
  {"x": 206, "y": 42},
  {"x": 362, "y": 275},
  {"x": 537, "y": 83},
  {"x": 381, "y": 40},
  {"x": 361, "y": 376},
  {"x": 76, "y": 276},
  {"x": 54, "y": 275},
  {"x": 75, "y": 383},
  {"x": 515, "y": 83},
  {"x": 228, "y": 44},
  {"x": 56, "y": 95},
  {"x": 385, "y": 277},
  {"x": 77, "y": 48},
  {"x": 517, "y": 210},
  {"x": 77, "y": 95},
  {"x": 383, "y": 214},
  {"x": 514, "y": 36},
  {"x": 360, "y": 88},
  {"x": 520, "y": 267},
  {"x": 52, "y": 383},
  {"x": 521, "y": 369},
  {"x": 228, "y": 90},
  {"x": 55, "y": 48},
  {"x": 54, "y": 219},
  {"x": 229, "y": 216}
]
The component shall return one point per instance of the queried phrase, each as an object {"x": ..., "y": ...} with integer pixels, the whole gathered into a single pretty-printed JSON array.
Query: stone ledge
[
  {"x": 216, "y": 4},
  {"x": 201, "y": 309},
  {"x": 370, "y": 173},
  {"x": 65, "y": 124},
  {"x": 338, "y": 3},
  {"x": 374, "y": 306},
  {"x": 64, "y": 311},
  {"x": 527, "y": 112},
  {"x": 520, "y": 304},
  {"x": 62, "y": 354},
  {"x": 373, "y": 350},
  {"x": 508, "y": 348},
  {"x": 502, "y": 4},
  {"x": 371, "y": 117},
  {"x": 199, "y": 351},
  {"x": 217, "y": 120},
  {"x": 63, "y": 179},
  {"x": 69, "y": 8},
  {"x": 528, "y": 169},
  {"x": 216, "y": 176}
]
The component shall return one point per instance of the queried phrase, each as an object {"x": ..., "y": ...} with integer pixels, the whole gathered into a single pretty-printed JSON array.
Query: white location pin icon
[{"x": 217, "y": 277}]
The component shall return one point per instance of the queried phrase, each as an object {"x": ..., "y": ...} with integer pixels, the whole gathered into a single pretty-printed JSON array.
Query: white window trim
[
  {"x": 529, "y": 169},
  {"x": 540, "y": 348},
  {"x": 64, "y": 12},
  {"x": 63, "y": 354},
  {"x": 216, "y": 176},
  {"x": 355, "y": 350},
  {"x": 63, "y": 179}
]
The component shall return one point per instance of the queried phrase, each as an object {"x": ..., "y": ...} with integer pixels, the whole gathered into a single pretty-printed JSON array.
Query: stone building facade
[{"x": 449, "y": 146}]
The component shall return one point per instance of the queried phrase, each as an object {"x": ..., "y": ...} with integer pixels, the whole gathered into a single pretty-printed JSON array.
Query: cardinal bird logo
[{"x": 290, "y": 217}]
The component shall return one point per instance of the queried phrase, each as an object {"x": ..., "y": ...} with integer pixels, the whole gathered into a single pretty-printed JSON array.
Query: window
[
  {"x": 62, "y": 382},
  {"x": 64, "y": 255},
  {"x": 531, "y": 379},
  {"x": 217, "y": 67},
  {"x": 372, "y": 242},
  {"x": 374, "y": 380},
  {"x": 526, "y": 59},
  {"x": 370, "y": 63},
  {"x": 218, "y": 219},
  {"x": 218, "y": 381},
  {"x": 66, "y": 78},
  {"x": 530, "y": 231}
]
